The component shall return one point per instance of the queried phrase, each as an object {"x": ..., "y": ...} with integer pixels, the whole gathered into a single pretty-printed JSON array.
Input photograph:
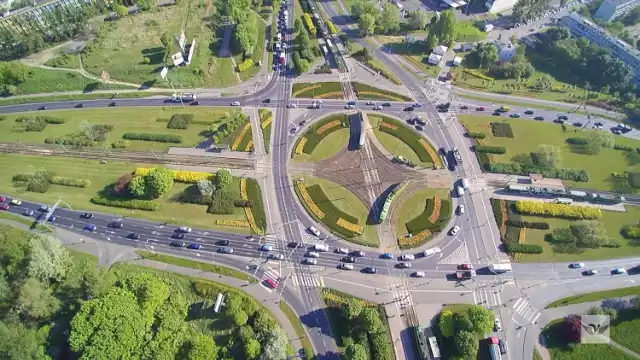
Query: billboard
[
  {"x": 182, "y": 40},
  {"x": 163, "y": 73},
  {"x": 191, "y": 50},
  {"x": 177, "y": 59}
]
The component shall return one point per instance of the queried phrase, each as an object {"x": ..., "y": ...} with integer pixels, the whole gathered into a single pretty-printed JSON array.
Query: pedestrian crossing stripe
[
  {"x": 309, "y": 280},
  {"x": 524, "y": 309}
]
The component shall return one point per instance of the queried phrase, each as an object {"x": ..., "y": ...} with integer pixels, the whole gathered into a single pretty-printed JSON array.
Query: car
[
  {"x": 184, "y": 229},
  {"x": 342, "y": 250},
  {"x": 577, "y": 124},
  {"x": 578, "y": 265},
  {"x": 178, "y": 243},
  {"x": 87, "y": 216},
  {"x": 80, "y": 105},
  {"x": 407, "y": 257},
  {"x": 464, "y": 107},
  {"x": 295, "y": 245},
  {"x": 377, "y": 107},
  {"x": 346, "y": 266},
  {"x": 480, "y": 108},
  {"x": 408, "y": 108},
  {"x": 411, "y": 121},
  {"x": 598, "y": 124},
  {"x": 194, "y": 246},
  {"x": 370, "y": 270},
  {"x": 113, "y": 103},
  {"x": 358, "y": 253},
  {"x": 558, "y": 121},
  {"x": 371, "y": 102},
  {"x": 44, "y": 208},
  {"x": 226, "y": 250},
  {"x": 275, "y": 256},
  {"x": 619, "y": 271},
  {"x": 222, "y": 242},
  {"x": 235, "y": 103},
  {"x": 591, "y": 272},
  {"x": 266, "y": 247},
  {"x": 314, "y": 231},
  {"x": 293, "y": 130},
  {"x": 386, "y": 256},
  {"x": 386, "y": 104},
  {"x": 497, "y": 324},
  {"x": 502, "y": 346},
  {"x": 419, "y": 274},
  {"x": 348, "y": 106},
  {"x": 348, "y": 259},
  {"x": 90, "y": 227},
  {"x": 563, "y": 117},
  {"x": 292, "y": 106},
  {"x": 514, "y": 115},
  {"x": 465, "y": 267},
  {"x": 528, "y": 112},
  {"x": 302, "y": 122},
  {"x": 272, "y": 283},
  {"x": 16, "y": 202},
  {"x": 419, "y": 128},
  {"x": 133, "y": 236},
  {"x": 454, "y": 230},
  {"x": 460, "y": 209},
  {"x": 417, "y": 105},
  {"x": 42, "y": 108},
  {"x": 310, "y": 261},
  {"x": 312, "y": 254},
  {"x": 3, "y": 199},
  {"x": 177, "y": 235},
  {"x": 195, "y": 103},
  {"x": 539, "y": 118},
  {"x": 28, "y": 213},
  {"x": 497, "y": 113},
  {"x": 116, "y": 224},
  {"x": 351, "y": 102},
  {"x": 404, "y": 265},
  {"x": 4, "y": 207}
]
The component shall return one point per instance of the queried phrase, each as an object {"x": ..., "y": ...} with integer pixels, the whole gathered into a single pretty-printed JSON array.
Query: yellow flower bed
[
  {"x": 233, "y": 223},
  {"x": 376, "y": 93},
  {"x": 521, "y": 239},
  {"x": 266, "y": 122},
  {"x": 311, "y": 87},
  {"x": 240, "y": 136},
  {"x": 249, "y": 146},
  {"x": 358, "y": 229},
  {"x": 329, "y": 94},
  {"x": 503, "y": 211},
  {"x": 389, "y": 126},
  {"x": 179, "y": 175},
  {"x": 327, "y": 126},
  {"x": 436, "y": 209},
  {"x": 415, "y": 239},
  {"x": 339, "y": 299},
  {"x": 432, "y": 153},
  {"x": 300, "y": 145},
  {"x": 309, "y": 201}
]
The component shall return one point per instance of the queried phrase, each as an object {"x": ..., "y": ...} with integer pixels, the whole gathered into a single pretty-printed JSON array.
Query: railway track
[{"x": 128, "y": 156}]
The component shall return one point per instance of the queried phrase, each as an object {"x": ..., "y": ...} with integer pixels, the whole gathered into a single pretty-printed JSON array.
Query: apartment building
[
  {"x": 496, "y": 6},
  {"x": 580, "y": 27},
  {"x": 610, "y": 10}
]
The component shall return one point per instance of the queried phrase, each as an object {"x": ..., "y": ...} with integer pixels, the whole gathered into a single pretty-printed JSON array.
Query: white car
[
  {"x": 265, "y": 247},
  {"x": 184, "y": 229},
  {"x": 342, "y": 250},
  {"x": 292, "y": 106},
  {"x": 419, "y": 274},
  {"x": 235, "y": 103},
  {"x": 310, "y": 261},
  {"x": 370, "y": 102},
  {"x": 314, "y": 231},
  {"x": 276, "y": 256},
  {"x": 454, "y": 230},
  {"x": 407, "y": 257},
  {"x": 498, "y": 324},
  {"x": 404, "y": 265},
  {"x": 313, "y": 254},
  {"x": 460, "y": 209},
  {"x": 346, "y": 266}
]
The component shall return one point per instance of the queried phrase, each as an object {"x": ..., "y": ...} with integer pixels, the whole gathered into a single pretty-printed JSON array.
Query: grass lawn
[
  {"x": 348, "y": 202},
  {"x": 66, "y": 61},
  {"x": 102, "y": 175},
  {"x": 468, "y": 31},
  {"x": 318, "y": 90},
  {"x": 327, "y": 147},
  {"x": 258, "y": 51},
  {"x": 413, "y": 206},
  {"x": 394, "y": 145},
  {"x": 49, "y": 81},
  {"x": 125, "y": 43},
  {"x": 37, "y": 99},
  {"x": 536, "y": 354},
  {"x": 297, "y": 325},
  {"x": 367, "y": 92},
  {"x": 375, "y": 65},
  {"x": 529, "y": 134},
  {"x": 126, "y": 119},
  {"x": 595, "y": 296}
]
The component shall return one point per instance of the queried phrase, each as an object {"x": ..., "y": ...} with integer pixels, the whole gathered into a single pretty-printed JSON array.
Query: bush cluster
[
  {"x": 631, "y": 231},
  {"x": 242, "y": 203},
  {"x": 221, "y": 203},
  {"x": 478, "y": 74},
  {"x": 35, "y": 125},
  {"x": 476, "y": 135},
  {"x": 623, "y": 147},
  {"x": 525, "y": 170},
  {"x": 490, "y": 149},
  {"x": 165, "y": 138},
  {"x": 179, "y": 121},
  {"x": 121, "y": 144},
  {"x": 203, "y": 122},
  {"x": 557, "y": 210},
  {"x": 523, "y": 248},
  {"x": 127, "y": 204},
  {"x": 67, "y": 181},
  {"x": 501, "y": 129},
  {"x": 528, "y": 225},
  {"x": 577, "y": 141}
]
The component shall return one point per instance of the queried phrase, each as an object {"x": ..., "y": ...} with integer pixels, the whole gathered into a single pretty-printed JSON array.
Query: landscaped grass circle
[{"x": 323, "y": 139}]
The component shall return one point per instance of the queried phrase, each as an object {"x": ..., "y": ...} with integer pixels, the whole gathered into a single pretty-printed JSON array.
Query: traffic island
[
  {"x": 334, "y": 90},
  {"x": 420, "y": 215},
  {"x": 324, "y": 139}
]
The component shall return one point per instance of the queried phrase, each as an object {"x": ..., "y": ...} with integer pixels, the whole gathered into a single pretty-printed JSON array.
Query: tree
[
  {"x": 544, "y": 82},
  {"x": 262, "y": 324},
  {"x": 461, "y": 322},
  {"x": 297, "y": 25},
  {"x": 571, "y": 328},
  {"x": 35, "y": 300},
  {"x": 389, "y": 20},
  {"x": 431, "y": 41},
  {"x": 146, "y": 5},
  {"x": 205, "y": 187},
  {"x": 48, "y": 259},
  {"x": 39, "y": 182},
  {"x": 165, "y": 39},
  {"x": 158, "y": 182},
  {"x": 355, "y": 352},
  {"x": 137, "y": 186},
  {"x": 611, "y": 312},
  {"x": 202, "y": 348},
  {"x": 351, "y": 309},
  {"x": 481, "y": 319},
  {"x": 445, "y": 28},
  {"x": 237, "y": 10},
  {"x": 361, "y": 7},
  {"x": 467, "y": 344},
  {"x": 121, "y": 10},
  {"x": 369, "y": 320},
  {"x": 223, "y": 178},
  {"x": 529, "y": 9},
  {"x": 251, "y": 349},
  {"x": 485, "y": 54},
  {"x": 12, "y": 73},
  {"x": 246, "y": 34},
  {"x": 588, "y": 234},
  {"x": 418, "y": 19},
  {"x": 367, "y": 24},
  {"x": 19, "y": 342},
  {"x": 275, "y": 345},
  {"x": 302, "y": 40},
  {"x": 549, "y": 156},
  {"x": 446, "y": 323},
  {"x": 597, "y": 140}
]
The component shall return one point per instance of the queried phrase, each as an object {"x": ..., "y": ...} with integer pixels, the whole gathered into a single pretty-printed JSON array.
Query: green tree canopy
[
  {"x": 445, "y": 28},
  {"x": 48, "y": 259},
  {"x": 20, "y": 343},
  {"x": 246, "y": 34},
  {"x": 367, "y": 24},
  {"x": 481, "y": 319},
  {"x": 418, "y": 19},
  {"x": 547, "y": 156},
  {"x": 369, "y": 320},
  {"x": 446, "y": 323},
  {"x": 467, "y": 344},
  {"x": 351, "y": 309},
  {"x": 223, "y": 178},
  {"x": 36, "y": 300},
  {"x": 202, "y": 347},
  {"x": 389, "y": 20},
  {"x": 355, "y": 352}
]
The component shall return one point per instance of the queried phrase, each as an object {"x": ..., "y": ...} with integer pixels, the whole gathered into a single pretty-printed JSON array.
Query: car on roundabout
[
  {"x": 539, "y": 118},
  {"x": 346, "y": 266},
  {"x": 266, "y": 247},
  {"x": 386, "y": 256},
  {"x": 178, "y": 236},
  {"x": 274, "y": 256},
  {"x": 28, "y": 213},
  {"x": 465, "y": 267},
  {"x": 419, "y": 274},
  {"x": 578, "y": 265},
  {"x": 178, "y": 244},
  {"x": 16, "y": 202},
  {"x": 371, "y": 102},
  {"x": 226, "y": 250},
  {"x": 133, "y": 236},
  {"x": 455, "y": 230},
  {"x": 514, "y": 115},
  {"x": 480, "y": 108},
  {"x": 407, "y": 257},
  {"x": 342, "y": 250},
  {"x": 404, "y": 265},
  {"x": 87, "y": 216},
  {"x": 370, "y": 270},
  {"x": 528, "y": 112},
  {"x": 377, "y": 107},
  {"x": 90, "y": 227},
  {"x": 349, "y": 259},
  {"x": 358, "y": 253},
  {"x": 4, "y": 207},
  {"x": 619, "y": 271},
  {"x": 310, "y": 261},
  {"x": 272, "y": 283},
  {"x": 590, "y": 272}
]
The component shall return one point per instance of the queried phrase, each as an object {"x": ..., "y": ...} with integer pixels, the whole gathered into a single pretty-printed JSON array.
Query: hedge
[
  {"x": 528, "y": 225},
  {"x": 165, "y": 138},
  {"x": 491, "y": 149},
  {"x": 184, "y": 176},
  {"x": 523, "y": 248},
  {"x": 180, "y": 121},
  {"x": 67, "y": 181},
  {"x": 577, "y": 141},
  {"x": 409, "y": 137},
  {"x": 309, "y": 22},
  {"x": 501, "y": 129},
  {"x": 623, "y": 147},
  {"x": 557, "y": 210},
  {"x": 133, "y": 204},
  {"x": 312, "y": 136},
  {"x": 476, "y": 135},
  {"x": 478, "y": 74},
  {"x": 631, "y": 231},
  {"x": 526, "y": 170}
]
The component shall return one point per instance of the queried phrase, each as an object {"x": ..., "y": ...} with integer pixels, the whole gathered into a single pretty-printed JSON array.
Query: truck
[
  {"x": 457, "y": 156},
  {"x": 494, "y": 348},
  {"x": 465, "y": 275},
  {"x": 500, "y": 268}
]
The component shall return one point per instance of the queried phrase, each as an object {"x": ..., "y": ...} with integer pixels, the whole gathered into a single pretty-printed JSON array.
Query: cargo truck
[{"x": 500, "y": 268}]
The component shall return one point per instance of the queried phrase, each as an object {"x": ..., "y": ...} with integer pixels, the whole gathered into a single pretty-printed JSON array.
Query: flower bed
[
  {"x": 238, "y": 139},
  {"x": 305, "y": 89},
  {"x": 247, "y": 210},
  {"x": 327, "y": 126},
  {"x": 266, "y": 122},
  {"x": 503, "y": 212},
  {"x": 387, "y": 125},
  {"x": 358, "y": 229},
  {"x": 233, "y": 223},
  {"x": 188, "y": 177},
  {"x": 249, "y": 146},
  {"x": 435, "y": 214},
  {"x": 307, "y": 199},
  {"x": 300, "y": 146},
  {"x": 432, "y": 153},
  {"x": 416, "y": 240},
  {"x": 329, "y": 95},
  {"x": 338, "y": 298},
  {"x": 378, "y": 95},
  {"x": 319, "y": 130},
  {"x": 422, "y": 148}
]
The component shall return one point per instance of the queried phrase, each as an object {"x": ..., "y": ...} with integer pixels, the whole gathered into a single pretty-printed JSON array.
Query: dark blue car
[{"x": 387, "y": 256}]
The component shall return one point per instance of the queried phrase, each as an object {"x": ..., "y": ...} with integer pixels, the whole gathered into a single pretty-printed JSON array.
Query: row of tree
[
  {"x": 246, "y": 27},
  {"x": 465, "y": 328}
]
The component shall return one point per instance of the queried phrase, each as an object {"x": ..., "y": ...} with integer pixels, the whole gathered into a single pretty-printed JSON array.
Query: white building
[
  {"x": 457, "y": 61},
  {"x": 506, "y": 50},
  {"x": 496, "y": 6},
  {"x": 440, "y": 50},
  {"x": 613, "y": 9},
  {"x": 434, "y": 59}
]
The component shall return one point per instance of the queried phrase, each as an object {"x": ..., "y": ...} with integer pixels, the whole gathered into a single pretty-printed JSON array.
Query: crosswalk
[
  {"x": 307, "y": 280},
  {"x": 524, "y": 310},
  {"x": 402, "y": 297},
  {"x": 272, "y": 274},
  {"x": 487, "y": 296}
]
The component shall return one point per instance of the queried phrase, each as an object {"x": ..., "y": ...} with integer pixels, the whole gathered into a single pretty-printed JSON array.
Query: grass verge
[
  {"x": 22, "y": 220},
  {"x": 319, "y": 90},
  {"x": 367, "y": 92},
  {"x": 297, "y": 326},
  {"x": 192, "y": 264},
  {"x": 38, "y": 99},
  {"x": 595, "y": 296}
]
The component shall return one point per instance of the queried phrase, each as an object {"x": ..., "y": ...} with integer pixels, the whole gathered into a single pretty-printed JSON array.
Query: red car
[
  {"x": 480, "y": 108},
  {"x": 465, "y": 266},
  {"x": 4, "y": 207},
  {"x": 272, "y": 283},
  {"x": 3, "y": 199}
]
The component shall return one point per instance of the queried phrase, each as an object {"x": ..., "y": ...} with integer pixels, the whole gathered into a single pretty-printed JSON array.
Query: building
[
  {"x": 457, "y": 61},
  {"x": 506, "y": 50},
  {"x": 22, "y": 20},
  {"x": 440, "y": 50},
  {"x": 434, "y": 59},
  {"x": 581, "y": 27},
  {"x": 496, "y": 6},
  {"x": 613, "y": 9}
]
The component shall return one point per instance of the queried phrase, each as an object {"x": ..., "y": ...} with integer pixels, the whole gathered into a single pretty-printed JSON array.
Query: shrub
[
  {"x": 242, "y": 203},
  {"x": 126, "y": 203},
  {"x": 623, "y": 147},
  {"x": 528, "y": 225},
  {"x": 490, "y": 149},
  {"x": 35, "y": 124},
  {"x": 525, "y": 170},
  {"x": 523, "y": 248},
  {"x": 21, "y": 177},
  {"x": 121, "y": 186},
  {"x": 476, "y": 135},
  {"x": 557, "y": 210},
  {"x": 221, "y": 203},
  {"x": 577, "y": 141},
  {"x": 3, "y": 118},
  {"x": 631, "y": 231},
  {"x": 179, "y": 121},
  {"x": 67, "y": 181},
  {"x": 501, "y": 129},
  {"x": 478, "y": 74},
  {"x": 121, "y": 144},
  {"x": 165, "y": 138},
  {"x": 51, "y": 120},
  {"x": 245, "y": 65}
]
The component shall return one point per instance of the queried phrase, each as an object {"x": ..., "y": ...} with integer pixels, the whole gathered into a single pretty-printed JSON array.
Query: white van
[
  {"x": 460, "y": 191},
  {"x": 465, "y": 184},
  {"x": 433, "y": 250},
  {"x": 279, "y": 37},
  {"x": 321, "y": 247}
]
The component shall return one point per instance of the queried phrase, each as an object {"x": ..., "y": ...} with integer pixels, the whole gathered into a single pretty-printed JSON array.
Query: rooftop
[{"x": 604, "y": 34}]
